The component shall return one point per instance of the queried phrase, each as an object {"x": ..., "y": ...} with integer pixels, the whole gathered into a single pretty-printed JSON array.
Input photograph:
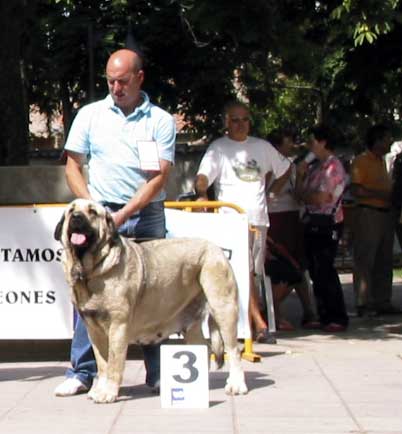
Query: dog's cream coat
[{"x": 142, "y": 293}]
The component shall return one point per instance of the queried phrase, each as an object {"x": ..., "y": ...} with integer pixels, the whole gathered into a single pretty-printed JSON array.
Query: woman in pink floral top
[
  {"x": 320, "y": 187},
  {"x": 327, "y": 177}
]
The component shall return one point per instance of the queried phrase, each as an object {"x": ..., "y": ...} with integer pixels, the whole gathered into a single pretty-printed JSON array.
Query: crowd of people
[
  {"x": 295, "y": 208},
  {"x": 295, "y": 205}
]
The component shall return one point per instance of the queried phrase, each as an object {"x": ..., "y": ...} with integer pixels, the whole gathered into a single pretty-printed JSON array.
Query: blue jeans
[{"x": 149, "y": 223}]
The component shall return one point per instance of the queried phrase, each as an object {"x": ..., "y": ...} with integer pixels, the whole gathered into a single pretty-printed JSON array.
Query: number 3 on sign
[{"x": 184, "y": 376}]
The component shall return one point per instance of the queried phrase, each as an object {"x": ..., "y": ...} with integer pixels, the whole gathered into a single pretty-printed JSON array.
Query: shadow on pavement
[
  {"x": 46, "y": 351},
  {"x": 31, "y": 373},
  {"x": 385, "y": 327},
  {"x": 255, "y": 379}
]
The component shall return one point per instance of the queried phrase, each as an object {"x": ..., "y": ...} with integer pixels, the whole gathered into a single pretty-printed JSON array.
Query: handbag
[
  {"x": 279, "y": 269},
  {"x": 321, "y": 223},
  {"x": 318, "y": 220},
  {"x": 280, "y": 266}
]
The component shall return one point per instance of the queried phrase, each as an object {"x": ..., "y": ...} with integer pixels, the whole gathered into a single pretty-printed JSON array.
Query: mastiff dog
[{"x": 129, "y": 292}]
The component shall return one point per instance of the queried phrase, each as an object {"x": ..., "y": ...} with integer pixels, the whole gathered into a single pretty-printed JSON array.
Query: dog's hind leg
[
  {"x": 220, "y": 288},
  {"x": 193, "y": 335},
  {"x": 236, "y": 383},
  {"x": 217, "y": 346},
  {"x": 227, "y": 325}
]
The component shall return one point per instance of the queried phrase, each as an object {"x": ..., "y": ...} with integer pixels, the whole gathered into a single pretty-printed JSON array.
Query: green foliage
[
  {"x": 369, "y": 19},
  {"x": 296, "y": 61}
]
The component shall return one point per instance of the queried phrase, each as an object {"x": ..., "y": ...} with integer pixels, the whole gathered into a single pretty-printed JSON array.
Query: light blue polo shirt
[{"x": 109, "y": 139}]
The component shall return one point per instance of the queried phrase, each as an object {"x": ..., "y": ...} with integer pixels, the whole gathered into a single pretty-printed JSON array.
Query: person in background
[
  {"x": 373, "y": 232},
  {"x": 320, "y": 187},
  {"x": 396, "y": 196},
  {"x": 110, "y": 132},
  {"x": 390, "y": 157},
  {"x": 237, "y": 165},
  {"x": 285, "y": 229}
]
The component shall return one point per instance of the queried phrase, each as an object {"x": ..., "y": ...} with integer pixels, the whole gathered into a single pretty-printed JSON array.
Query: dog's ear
[
  {"x": 111, "y": 228},
  {"x": 110, "y": 250},
  {"x": 59, "y": 228}
]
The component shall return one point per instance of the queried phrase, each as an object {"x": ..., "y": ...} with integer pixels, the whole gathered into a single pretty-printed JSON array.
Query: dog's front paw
[
  {"x": 235, "y": 385},
  {"x": 103, "y": 395}
]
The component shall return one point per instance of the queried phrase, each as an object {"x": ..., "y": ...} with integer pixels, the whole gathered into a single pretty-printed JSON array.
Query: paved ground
[{"x": 310, "y": 383}]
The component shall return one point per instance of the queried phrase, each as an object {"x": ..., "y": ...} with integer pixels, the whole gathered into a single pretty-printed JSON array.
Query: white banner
[
  {"x": 230, "y": 232},
  {"x": 34, "y": 295}
]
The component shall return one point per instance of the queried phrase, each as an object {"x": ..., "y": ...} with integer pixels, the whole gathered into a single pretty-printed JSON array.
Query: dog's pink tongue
[{"x": 78, "y": 239}]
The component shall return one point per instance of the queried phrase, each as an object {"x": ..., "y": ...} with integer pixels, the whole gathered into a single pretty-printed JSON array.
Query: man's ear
[
  {"x": 225, "y": 122},
  {"x": 141, "y": 75}
]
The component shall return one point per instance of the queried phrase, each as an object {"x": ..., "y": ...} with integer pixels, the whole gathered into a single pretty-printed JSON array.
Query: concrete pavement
[{"x": 308, "y": 383}]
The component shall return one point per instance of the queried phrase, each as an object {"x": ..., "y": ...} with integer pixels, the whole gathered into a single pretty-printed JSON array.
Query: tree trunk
[
  {"x": 14, "y": 118},
  {"x": 66, "y": 107}
]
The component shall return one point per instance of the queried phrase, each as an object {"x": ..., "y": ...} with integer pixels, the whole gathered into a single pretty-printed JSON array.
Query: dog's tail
[{"x": 217, "y": 346}]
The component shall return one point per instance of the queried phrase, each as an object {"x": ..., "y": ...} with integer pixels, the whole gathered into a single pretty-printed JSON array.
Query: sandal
[
  {"x": 334, "y": 328},
  {"x": 309, "y": 322},
  {"x": 311, "y": 325},
  {"x": 285, "y": 326},
  {"x": 263, "y": 336}
]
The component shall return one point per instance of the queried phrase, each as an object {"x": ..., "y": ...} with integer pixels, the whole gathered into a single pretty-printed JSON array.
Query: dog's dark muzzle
[
  {"x": 80, "y": 231},
  {"x": 78, "y": 222}
]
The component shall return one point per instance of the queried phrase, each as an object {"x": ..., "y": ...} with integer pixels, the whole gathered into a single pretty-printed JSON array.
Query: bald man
[{"x": 111, "y": 134}]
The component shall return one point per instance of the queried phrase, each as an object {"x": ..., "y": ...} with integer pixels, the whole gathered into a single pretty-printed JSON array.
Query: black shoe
[
  {"x": 310, "y": 322},
  {"x": 263, "y": 336},
  {"x": 361, "y": 311},
  {"x": 389, "y": 310},
  {"x": 334, "y": 327},
  {"x": 311, "y": 325},
  {"x": 155, "y": 387}
]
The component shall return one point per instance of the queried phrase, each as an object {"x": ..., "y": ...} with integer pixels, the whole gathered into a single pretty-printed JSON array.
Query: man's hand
[
  {"x": 200, "y": 187},
  {"x": 119, "y": 217},
  {"x": 361, "y": 192},
  {"x": 202, "y": 199}
]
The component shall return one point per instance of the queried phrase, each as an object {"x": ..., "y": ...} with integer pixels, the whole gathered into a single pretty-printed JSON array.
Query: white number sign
[{"x": 184, "y": 376}]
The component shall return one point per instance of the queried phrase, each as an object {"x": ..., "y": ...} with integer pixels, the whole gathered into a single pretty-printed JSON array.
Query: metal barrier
[
  {"x": 214, "y": 206},
  {"x": 38, "y": 209}
]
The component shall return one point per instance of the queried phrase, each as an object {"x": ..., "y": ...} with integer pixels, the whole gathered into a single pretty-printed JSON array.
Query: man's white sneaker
[{"x": 71, "y": 386}]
